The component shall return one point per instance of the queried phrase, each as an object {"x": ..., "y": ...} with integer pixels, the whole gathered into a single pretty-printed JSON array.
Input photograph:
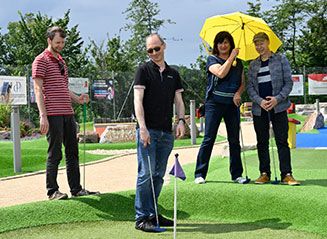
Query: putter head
[
  {"x": 275, "y": 182},
  {"x": 247, "y": 180},
  {"x": 159, "y": 229}
]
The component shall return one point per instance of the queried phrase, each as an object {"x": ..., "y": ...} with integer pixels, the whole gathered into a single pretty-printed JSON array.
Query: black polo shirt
[{"x": 159, "y": 94}]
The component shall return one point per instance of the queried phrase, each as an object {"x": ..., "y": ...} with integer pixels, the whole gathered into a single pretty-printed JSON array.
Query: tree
[
  {"x": 111, "y": 61},
  {"x": 141, "y": 15},
  {"x": 313, "y": 43},
  {"x": 286, "y": 19},
  {"x": 255, "y": 9},
  {"x": 26, "y": 39}
]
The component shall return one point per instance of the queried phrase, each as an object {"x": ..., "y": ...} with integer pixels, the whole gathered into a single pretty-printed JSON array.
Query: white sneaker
[
  {"x": 200, "y": 180},
  {"x": 241, "y": 180}
]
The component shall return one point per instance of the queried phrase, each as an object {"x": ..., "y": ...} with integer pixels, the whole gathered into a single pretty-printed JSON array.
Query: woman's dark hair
[{"x": 220, "y": 37}]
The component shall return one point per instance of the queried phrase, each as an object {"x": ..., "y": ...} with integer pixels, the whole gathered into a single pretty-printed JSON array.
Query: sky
[{"x": 99, "y": 18}]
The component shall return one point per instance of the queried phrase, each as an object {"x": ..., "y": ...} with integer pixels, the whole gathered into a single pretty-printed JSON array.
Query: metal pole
[
  {"x": 317, "y": 106},
  {"x": 114, "y": 98},
  {"x": 192, "y": 120},
  {"x": 304, "y": 88},
  {"x": 201, "y": 124},
  {"x": 15, "y": 134}
]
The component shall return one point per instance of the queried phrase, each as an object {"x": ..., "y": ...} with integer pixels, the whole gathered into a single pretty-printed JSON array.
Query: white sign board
[
  {"x": 317, "y": 84},
  {"x": 13, "y": 90},
  {"x": 297, "y": 85},
  {"x": 79, "y": 85}
]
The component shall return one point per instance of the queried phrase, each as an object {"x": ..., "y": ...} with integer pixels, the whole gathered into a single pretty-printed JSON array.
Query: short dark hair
[
  {"x": 51, "y": 32},
  {"x": 156, "y": 34},
  {"x": 220, "y": 37}
]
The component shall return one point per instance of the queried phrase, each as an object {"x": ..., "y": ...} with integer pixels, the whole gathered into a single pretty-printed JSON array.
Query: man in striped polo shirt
[{"x": 54, "y": 100}]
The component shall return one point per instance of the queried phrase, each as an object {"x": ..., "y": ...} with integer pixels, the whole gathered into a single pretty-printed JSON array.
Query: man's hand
[
  {"x": 271, "y": 102},
  {"x": 145, "y": 136},
  {"x": 180, "y": 129},
  {"x": 263, "y": 105},
  {"x": 237, "y": 99},
  {"x": 83, "y": 98},
  {"x": 44, "y": 124}
]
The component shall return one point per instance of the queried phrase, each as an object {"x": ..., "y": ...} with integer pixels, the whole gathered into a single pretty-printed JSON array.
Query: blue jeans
[
  {"x": 157, "y": 152},
  {"x": 214, "y": 113}
]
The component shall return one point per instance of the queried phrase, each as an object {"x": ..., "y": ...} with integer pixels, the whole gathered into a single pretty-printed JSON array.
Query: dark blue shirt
[{"x": 223, "y": 90}]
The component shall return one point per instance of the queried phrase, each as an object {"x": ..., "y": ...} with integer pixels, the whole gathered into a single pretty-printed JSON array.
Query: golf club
[
  {"x": 243, "y": 158},
  {"x": 271, "y": 148},
  {"x": 158, "y": 228}
]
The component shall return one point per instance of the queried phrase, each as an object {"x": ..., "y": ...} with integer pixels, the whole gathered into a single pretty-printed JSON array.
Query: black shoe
[
  {"x": 163, "y": 222},
  {"x": 146, "y": 226},
  {"x": 57, "y": 195},
  {"x": 84, "y": 192}
]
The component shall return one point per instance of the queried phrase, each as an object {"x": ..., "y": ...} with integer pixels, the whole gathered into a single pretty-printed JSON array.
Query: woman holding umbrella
[
  {"x": 270, "y": 83},
  {"x": 223, "y": 97}
]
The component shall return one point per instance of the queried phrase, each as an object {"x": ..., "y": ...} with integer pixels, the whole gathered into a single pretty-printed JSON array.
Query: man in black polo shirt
[{"x": 157, "y": 87}]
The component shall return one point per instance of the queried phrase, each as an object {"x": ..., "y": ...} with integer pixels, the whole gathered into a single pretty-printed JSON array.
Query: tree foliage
[
  {"x": 142, "y": 21},
  {"x": 26, "y": 39}
]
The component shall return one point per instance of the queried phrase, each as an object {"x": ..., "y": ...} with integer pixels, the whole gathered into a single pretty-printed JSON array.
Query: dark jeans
[
  {"x": 62, "y": 130},
  {"x": 214, "y": 113},
  {"x": 280, "y": 128}
]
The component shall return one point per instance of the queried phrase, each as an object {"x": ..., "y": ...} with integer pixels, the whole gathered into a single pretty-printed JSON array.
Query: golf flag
[{"x": 177, "y": 170}]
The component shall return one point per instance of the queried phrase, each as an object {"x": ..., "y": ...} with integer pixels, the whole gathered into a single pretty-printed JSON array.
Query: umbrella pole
[{"x": 238, "y": 46}]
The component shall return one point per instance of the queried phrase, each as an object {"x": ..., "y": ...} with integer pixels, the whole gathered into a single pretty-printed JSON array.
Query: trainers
[
  {"x": 199, "y": 180},
  {"x": 146, "y": 225},
  {"x": 241, "y": 180},
  {"x": 163, "y": 222},
  {"x": 57, "y": 195},
  {"x": 84, "y": 192},
  {"x": 264, "y": 178},
  {"x": 289, "y": 180}
]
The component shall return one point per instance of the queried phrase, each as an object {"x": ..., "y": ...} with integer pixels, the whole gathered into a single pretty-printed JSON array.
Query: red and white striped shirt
[{"x": 57, "y": 100}]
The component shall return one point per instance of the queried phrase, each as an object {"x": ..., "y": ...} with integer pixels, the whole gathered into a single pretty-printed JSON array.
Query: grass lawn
[
  {"x": 34, "y": 153},
  {"x": 217, "y": 209}
]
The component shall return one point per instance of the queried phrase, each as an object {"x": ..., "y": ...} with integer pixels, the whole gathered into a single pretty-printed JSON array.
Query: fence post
[
  {"x": 15, "y": 135},
  {"x": 192, "y": 121},
  {"x": 304, "y": 87}
]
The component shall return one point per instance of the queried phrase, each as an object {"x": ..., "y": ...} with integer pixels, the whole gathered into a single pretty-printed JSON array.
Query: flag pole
[{"x": 175, "y": 198}]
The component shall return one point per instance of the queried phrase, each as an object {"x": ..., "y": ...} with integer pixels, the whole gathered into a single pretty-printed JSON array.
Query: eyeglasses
[
  {"x": 151, "y": 50},
  {"x": 61, "y": 67}
]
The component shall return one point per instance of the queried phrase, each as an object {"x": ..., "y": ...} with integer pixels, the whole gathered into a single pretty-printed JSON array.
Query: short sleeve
[
  {"x": 179, "y": 86},
  {"x": 211, "y": 60},
  {"x": 39, "y": 67},
  {"x": 140, "y": 78}
]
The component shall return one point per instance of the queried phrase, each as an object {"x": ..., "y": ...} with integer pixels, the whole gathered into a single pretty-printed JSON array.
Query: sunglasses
[
  {"x": 151, "y": 50},
  {"x": 61, "y": 67}
]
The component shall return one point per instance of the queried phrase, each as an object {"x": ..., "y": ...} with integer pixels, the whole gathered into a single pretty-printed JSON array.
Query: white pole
[
  {"x": 15, "y": 134},
  {"x": 175, "y": 200},
  {"x": 192, "y": 121}
]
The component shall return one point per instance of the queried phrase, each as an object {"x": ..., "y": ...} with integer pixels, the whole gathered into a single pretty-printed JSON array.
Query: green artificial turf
[
  {"x": 34, "y": 153},
  {"x": 217, "y": 209}
]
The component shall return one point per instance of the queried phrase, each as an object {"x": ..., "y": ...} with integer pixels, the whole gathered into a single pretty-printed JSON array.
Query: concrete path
[{"x": 109, "y": 175}]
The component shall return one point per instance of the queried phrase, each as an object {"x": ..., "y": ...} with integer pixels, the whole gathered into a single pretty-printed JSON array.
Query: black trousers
[
  {"x": 280, "y": 128},
  {"x": 62, "y": 130},
  {"x": 214, "y": 113}
]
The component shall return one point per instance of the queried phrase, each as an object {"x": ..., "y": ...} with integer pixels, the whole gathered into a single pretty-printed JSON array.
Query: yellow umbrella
[{"x": 242, "y": 27}]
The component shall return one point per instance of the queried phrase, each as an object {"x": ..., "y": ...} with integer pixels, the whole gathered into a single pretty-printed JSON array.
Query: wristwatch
[{"x": 182, "y": 119}]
